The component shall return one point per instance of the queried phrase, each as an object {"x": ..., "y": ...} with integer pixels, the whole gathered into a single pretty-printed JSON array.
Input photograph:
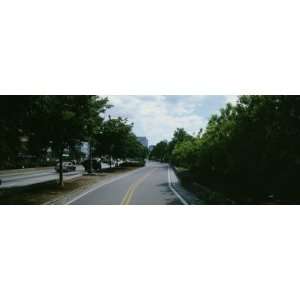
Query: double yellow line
[{"x": 127, "y": 198}]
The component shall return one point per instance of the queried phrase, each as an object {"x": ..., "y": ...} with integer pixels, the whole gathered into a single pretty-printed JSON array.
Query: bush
[
  {"x": 250, "y": 151},
  {"x": 140, "y": 163}
]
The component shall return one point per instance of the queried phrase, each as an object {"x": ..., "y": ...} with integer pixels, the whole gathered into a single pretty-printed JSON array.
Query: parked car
[
  {"x": 68, "y": 166},
  {"x": 97, "y": 166}
]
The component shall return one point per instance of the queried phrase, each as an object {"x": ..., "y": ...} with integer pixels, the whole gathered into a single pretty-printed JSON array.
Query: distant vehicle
[
  {"x": 96, "y": 163},
  {"x": 68, "y": 166}
]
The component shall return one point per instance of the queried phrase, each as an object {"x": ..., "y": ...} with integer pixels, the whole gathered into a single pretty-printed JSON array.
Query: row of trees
[
  {"x": 164, "y": 150},
  {"x": 249, "y": 151},
  {"x": 116, "y": 140},
  {"x": 33, "y": 124}
]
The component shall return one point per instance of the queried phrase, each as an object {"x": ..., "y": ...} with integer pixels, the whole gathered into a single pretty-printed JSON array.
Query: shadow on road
[{"x": 169, "y": 196}]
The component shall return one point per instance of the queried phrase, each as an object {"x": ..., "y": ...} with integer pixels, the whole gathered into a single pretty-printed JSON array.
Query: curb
[{"x": 189, "y": 196}]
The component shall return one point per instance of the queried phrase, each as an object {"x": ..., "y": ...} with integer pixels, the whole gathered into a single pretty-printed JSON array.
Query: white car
[{"x": 68, "y": 166}]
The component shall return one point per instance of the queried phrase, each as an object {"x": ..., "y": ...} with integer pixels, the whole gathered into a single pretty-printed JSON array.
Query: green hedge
[{"x": 133, "y": 164}]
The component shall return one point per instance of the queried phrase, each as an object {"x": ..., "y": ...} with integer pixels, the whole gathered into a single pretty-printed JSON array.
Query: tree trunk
[
  {"x": 61, "y": 173},
  {"x": 110, "y": 162},
  {"x": 100, "y": 169}
]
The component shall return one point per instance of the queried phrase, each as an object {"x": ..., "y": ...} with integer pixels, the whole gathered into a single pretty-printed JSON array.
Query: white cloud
[{"x": 157, "y": 117}]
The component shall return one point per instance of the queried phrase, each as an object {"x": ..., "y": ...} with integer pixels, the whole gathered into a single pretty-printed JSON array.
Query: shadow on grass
[{"x": 34, "y": 194}]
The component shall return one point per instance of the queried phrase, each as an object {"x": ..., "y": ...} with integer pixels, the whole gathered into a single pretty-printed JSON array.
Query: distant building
[
  {"x": 85, "y": 149},
  {"x": 143, "y": 140},
  {"x": 151, "y": 147}
]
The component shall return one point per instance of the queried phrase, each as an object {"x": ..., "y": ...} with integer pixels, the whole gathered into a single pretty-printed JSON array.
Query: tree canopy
[
  {"x": 116, "y": 140},
  {"x": 163, "y": 151},
  {"x": 250, "y": 151},
  {"x": 58, "y": 122}
]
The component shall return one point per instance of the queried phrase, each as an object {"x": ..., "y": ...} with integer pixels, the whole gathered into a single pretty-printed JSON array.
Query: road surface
[
  {"x": 26, "y": 177},
  {"x": 150, "y": 185},
  {"x": 19, "y": 178}
]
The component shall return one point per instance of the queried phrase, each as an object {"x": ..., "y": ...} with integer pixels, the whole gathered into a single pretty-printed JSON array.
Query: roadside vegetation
[
  {"x": 42, "y": 130},
  {"x": 248, "y": 154}
]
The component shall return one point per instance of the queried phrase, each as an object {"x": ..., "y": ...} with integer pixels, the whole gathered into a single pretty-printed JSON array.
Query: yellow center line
[{"x": 128, "y": 196}]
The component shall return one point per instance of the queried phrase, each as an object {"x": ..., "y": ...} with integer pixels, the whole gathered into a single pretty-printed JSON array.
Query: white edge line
[
  {"x": 96, "y": 187},
  {"x": 173, "y": 189}
]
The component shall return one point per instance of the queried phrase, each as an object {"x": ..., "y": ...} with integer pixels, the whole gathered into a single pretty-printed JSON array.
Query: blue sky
[{"x": 157, "y": 117}]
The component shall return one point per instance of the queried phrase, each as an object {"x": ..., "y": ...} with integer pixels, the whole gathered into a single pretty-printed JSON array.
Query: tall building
[
  {"x": 143, "y": 140},
  {"x": 151, "y": 147}
]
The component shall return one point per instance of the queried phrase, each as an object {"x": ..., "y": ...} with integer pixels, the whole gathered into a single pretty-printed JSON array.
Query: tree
[
  {"x": 184, "y": 153},
  {"x": 64, "y": 121},
  {"x": 135, "y": 149},
  {"x": 114, "y": 139},
  {"x": 15, "y": 119},
  {"x": 77, "y": 118},
  {"x": 248, "y": 151},
  {"x": 160, "y": 151},
  {"x": 180, "y": 136},
  {"x": 251, "y": 150},
  {"x": 163, "y": 150}
]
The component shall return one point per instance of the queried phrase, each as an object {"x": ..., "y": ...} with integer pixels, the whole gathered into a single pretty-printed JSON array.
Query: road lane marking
[
  {"x": 127, "y": 198},
  {"x": 97, "y": 186},
  {"x": 173, "y": 190},
  {"x": 133, "y": 187},
  {"x": 137, "y": 185},
  {"x": 124, "y": 200}
]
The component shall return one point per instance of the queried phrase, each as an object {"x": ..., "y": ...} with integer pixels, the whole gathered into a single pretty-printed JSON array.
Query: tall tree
[
  {"x": 250, "y": 150},
  {"x": 160, "y": 151},
  {"x": 114, "y": 139},
  {"x": 15, "y": 116},
  {"x": 66, "y": 121},
  {"x": 180, "y": 136}
]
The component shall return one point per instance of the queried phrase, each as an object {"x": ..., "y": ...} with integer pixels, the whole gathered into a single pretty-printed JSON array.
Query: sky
[{"x": 157, "y": 117}]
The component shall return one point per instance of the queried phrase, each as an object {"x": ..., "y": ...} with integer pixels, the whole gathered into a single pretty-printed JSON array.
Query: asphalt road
[
  {"x": 150, "y": 185},
  {"x": 26, "y": 177},
  {"x": 31, "y": 177}
]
